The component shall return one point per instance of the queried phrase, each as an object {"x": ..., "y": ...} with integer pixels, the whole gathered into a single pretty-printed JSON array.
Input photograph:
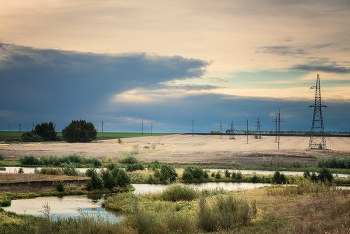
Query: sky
[{"x": 167, "y": 63}]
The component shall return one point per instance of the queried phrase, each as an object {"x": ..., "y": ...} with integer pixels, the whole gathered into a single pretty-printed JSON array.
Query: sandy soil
[{"x": 184, "y": 149}]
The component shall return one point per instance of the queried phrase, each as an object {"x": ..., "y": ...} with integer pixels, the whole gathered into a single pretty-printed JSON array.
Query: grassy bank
[{"x": 303, "y": 208}]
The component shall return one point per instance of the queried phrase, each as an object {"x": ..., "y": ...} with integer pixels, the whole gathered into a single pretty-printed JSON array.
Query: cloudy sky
[{"x": 169, "y": 62}]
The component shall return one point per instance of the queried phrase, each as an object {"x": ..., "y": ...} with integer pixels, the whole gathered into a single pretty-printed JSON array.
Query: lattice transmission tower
[{"x": 317, "y": 138}]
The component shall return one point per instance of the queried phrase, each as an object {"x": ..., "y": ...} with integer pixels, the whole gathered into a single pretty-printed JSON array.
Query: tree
[
  {"x": 46, "y": 131},
  {"x": 79, "y": 131}
]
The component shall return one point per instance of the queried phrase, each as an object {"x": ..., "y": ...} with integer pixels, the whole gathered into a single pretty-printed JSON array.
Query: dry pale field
[{"x": 183, "y": 149}]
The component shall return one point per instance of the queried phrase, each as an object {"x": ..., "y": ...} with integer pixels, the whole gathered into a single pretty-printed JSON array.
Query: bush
[
  {"x": 12, "y": 139},
  {"x": 20, "y": 170},
  {"x": 128, "y": 159},
  {"x": 206, "y": 174},
  {"x": 154, "y": 165},
  {"x": 5, "y": 203},
  {"x": 46, "y": 131},
  {"x": 108, "y": 180},
  {"x": 325, "y": 175},
  {"x": 70, "y": 169},
  {"x": 60, "y": 187},
  {"x": 218, "y": 175},
  {"x": 79, "y": 131},
  {"x": 29, "y": 160},
  {"x": 168, "y": 173},
  {"x": 239, "y": 175},
  {"x": 193, "y": 173},
  {"x": 95, "y": 182},
  {"x": 123, "y": 179},
  {"x": 279, "y": 178},
  {"x": 1, "y": 157},
  {"x": 187, "y": 176},
  {"x": 227, "y": 174},
  {"x": 179, "y": 192},
  {"x": 223, "y": 213}
]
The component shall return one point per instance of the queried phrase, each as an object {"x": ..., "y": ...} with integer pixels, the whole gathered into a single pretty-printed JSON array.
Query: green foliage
[
  {"x": 239, "y": 175},
  {"x": 5, "y": 203},
  {"x": 1, "y": 156},
  {"x": 79, "y": 131},
  {"x": 57, "y": 160},
  {"x": 128, "y": 159},
  {"x": 123, "y": 179},
  {"x": 50, "y": 171},
  {"x": 234, "y": 174},
  {"x": 135, "y": 167},
  {"x": 325, "y": 175},
  {"x": 20, "y": 170},
  {"x": 223, "y": 213},
  {"x": 154, "y": 165},
  {"x": 218, "y": 175},
  {"x": 46, "y": 131},
  {"x": 279, "y": 178},
  {"x": 13, "y": 139},
  {"x": 205, "y": 175},
  {"x": 168, "y": 173},
  {"x": 108, "y": 180},
  {"x": 179, "y": 192},
  {"x": 60, "y": 187},
  {"x": 255, "y": 178},
  {"x": 70, "y": 169},
  {"x": 193, "y": 174},
  {"x": 95, "y": 182},
  {"x": 213, "y": 174},
  {"x": 227, "y": 174},
  {"x": 334, "y": 162}
]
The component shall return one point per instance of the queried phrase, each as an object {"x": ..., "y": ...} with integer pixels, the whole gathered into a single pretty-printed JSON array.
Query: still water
[{"x": 67, "y": 206}]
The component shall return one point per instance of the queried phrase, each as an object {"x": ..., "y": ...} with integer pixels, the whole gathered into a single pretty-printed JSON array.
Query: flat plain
[{"x": 188, "y": 149}]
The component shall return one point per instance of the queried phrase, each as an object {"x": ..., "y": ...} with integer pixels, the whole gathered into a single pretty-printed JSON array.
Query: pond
[{"x": 67, "y": 206}]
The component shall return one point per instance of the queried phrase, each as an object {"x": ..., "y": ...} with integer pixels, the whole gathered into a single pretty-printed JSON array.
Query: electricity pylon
[{"x": 317, "y": 138}]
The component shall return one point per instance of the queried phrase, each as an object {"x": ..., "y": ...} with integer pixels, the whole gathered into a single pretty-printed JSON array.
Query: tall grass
[
  {"x": 334, "y": 162},
  {"x": 223, "y": 212},
  {"x": 179, "y": 192},
  {"x": 302, "y": 186}
]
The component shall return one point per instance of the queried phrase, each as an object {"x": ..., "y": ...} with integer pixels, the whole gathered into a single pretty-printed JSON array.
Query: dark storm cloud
[
  {"x": 328, "y": 69},
  {"x": 208, "y": 110},
  {"x": 38, "y": 82}
]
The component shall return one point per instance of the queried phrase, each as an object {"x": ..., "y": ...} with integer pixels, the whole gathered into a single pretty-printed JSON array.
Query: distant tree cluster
[{"x": 79, "y": 131}]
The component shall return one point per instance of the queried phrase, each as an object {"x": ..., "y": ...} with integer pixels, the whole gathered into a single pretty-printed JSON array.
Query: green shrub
[
  {"x": 205, "y": 175},
  {"x": 128, "y": 159},
  {"x": 109, "y": 181},
  {"x": 239, "y": 175},
  {"x": 218, "y": 175},
  {"x": 279, "y": 178},
  {"x": 30, "y": 160},
  {"x": 60, "y": 187},
  {"x": 51, "y": 171},
  {"x": 223, "y": 213},
  {"x": 227, "y": 174},
  {"x": 325, "y": 175},
  {"x": 187, "y": 176},
  {"x": 234, "y": 174},
  {"x": 5, "y": 203},
  {"x": 1, "y": 156},
  {"x": 13, "y": 139},
  {"x": 70, "y": 169},
  {"x": 79, "y": 131},
  {"x": 213, "y": 174},
  {"x": 255, "y": 178},
  {"x": 20, "y": 170},
  {"x": 154, "y": 165},
  {"x": 179, "y": 192},
  {"x": 122, "y": 179},
  {"x": 168, "y": 173},
  {"x": 95, "y": 182}
]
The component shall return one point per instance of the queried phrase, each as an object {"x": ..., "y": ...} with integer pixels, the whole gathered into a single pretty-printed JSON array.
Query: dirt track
[{"x": 190, "y": 149}]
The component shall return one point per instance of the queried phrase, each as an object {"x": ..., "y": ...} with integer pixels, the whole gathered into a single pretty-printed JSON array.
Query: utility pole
[
  {"x": 142, "y": 127},
  {"x": 276, "y": 123},
  {"x": 279, "y": 127},
  {"x": 317, "y": 138},
  {"x": 247, "y": 131},
  {"x": 220, "y": 131},
  {"x": 232, "y": 132},
  {"x": 258, "y": 129}
]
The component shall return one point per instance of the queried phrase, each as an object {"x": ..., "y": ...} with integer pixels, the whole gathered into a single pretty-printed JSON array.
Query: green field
[{"x": 100, "y": 136}]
